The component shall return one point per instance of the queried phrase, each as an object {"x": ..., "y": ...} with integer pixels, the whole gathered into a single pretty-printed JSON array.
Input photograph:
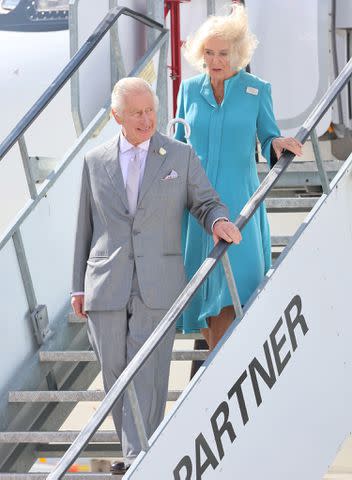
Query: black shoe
[{"x": 119, "y": 468}]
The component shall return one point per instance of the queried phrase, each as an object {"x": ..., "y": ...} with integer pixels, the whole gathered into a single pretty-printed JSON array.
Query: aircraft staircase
[
  {"x": 45, "y": 385},
  {"x": 69, "y": 366}
]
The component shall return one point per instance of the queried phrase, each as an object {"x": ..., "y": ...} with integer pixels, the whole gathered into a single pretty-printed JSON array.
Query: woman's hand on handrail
[{"x": 287, "y": 143}]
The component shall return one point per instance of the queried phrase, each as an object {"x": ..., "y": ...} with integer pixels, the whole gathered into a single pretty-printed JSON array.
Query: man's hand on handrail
[{"x": 225, "y": 230}]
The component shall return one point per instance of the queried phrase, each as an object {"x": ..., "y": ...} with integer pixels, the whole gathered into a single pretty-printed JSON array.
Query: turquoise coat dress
[{"x": 224, "y": 137}]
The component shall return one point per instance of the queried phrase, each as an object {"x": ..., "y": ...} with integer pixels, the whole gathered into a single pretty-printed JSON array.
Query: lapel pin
[{"x": 162, "y": 151}]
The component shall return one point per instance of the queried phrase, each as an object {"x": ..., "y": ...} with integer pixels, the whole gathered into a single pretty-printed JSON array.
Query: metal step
[
  {"x": 69, "y": 476},
  {"x": 290, "y": 204},
  {"x": 280, "y": 240},
  {"x": 104, "y": 443},
  {"x": 65, "y": 436},
  {"x": 89, "y": 356},
  {"x": 69, "y": 396},
  {"x": 92, "y": 450},
  {"x": 302, "y": 174}
]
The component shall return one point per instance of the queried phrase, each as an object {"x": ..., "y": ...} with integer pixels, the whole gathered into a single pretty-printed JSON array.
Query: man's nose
[{"x": 145, "y": 118}]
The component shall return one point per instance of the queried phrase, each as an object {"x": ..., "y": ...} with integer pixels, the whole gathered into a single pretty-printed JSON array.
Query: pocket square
[{"x": 172, "y": 174}]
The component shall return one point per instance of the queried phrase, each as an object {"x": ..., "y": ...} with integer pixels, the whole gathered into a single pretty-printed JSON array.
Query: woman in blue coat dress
[{"x": 227, "y": 109}]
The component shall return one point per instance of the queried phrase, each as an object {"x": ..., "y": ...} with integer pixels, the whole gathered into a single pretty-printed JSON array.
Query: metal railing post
[
  {"x": 27, "y": 168},
  {"x": 155, "y": 9},
  {"x": 117, "y": 66},
  {"x": 319, "y": 161},
  {"x": 24, "y": 269},
  {"x": 210, "y": 7},
  {"x": 38, "y": 313},
  {"x": 232, "y": 286},
  {"x": 74, "y": 82},
  {"x": 137, "y": 416},
  {"x": 161, "y": 88}
]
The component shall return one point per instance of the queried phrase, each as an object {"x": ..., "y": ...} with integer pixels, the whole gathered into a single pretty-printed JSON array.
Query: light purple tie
[{"x": 132, "y": 182}]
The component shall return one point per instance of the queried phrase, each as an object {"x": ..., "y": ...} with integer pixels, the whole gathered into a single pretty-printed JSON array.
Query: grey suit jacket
[{"x": 109, "y": 241}]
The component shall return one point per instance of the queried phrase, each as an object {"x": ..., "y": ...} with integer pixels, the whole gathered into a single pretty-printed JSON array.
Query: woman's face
[{"x": 217, "y": 55}]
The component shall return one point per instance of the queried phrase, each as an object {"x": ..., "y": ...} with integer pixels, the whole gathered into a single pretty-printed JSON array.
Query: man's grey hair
[{"x": 130, "y": 85}]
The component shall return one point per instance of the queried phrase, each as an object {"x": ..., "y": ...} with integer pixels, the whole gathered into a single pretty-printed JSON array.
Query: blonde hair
[
  {"x": 233, "y": 28},
  {"x": 130, "y": 85}
]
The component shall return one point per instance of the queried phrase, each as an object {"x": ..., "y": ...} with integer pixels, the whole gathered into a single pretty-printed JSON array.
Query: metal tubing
[
  {"x": 69, "y": 156},
  {"x": 161, "y": 87},
  {"x": 25, "y": 272},
  {"x": 137, "y": 417},
  {"x": 175, "y": 51},
  {"x": 319, "y": 161},
  {"x": 71, "y": 67},
  {"x": 95, "y": 123},
  {"x": 27, "y": 168},
  {"x": 75, "y": 90},
  {"x": 117, "y": 65},
  {"x": 155, "y": 10},
  {"x": 183, "y": 299},
  {"x": 232, "y": 286},
  {"x": 210, "y": 7},
  {"x": 152, "y": 50},
  {"x": 335, "y": 59},
  {"x": 328, "y": 98}
]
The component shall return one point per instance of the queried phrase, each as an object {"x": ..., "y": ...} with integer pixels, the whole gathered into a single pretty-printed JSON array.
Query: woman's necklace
[{"x": 219, "y": 95}]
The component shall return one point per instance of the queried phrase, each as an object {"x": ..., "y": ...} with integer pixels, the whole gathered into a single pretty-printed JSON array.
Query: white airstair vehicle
[{"x": 273, "y": 400}]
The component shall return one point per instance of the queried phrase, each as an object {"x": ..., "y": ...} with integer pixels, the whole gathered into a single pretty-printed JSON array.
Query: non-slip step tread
[
  {"x": 305, "y": 167},
  {"x": 294, "y": 204},
  {"x": 92, "y": 450},
  {"x": 280, "y": 240},
  {"x": 69, "y": 476},
  {"x": 61, "y": 436},
  {"x": 291, "y": 201},
  {"x": 68, "y": 396},
  {"x": 89, "y": 356}
]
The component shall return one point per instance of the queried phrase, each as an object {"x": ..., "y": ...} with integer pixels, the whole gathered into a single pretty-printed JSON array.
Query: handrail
[
  {"x": 198, "y": 278},
  {"x": 103, "y": 27}
]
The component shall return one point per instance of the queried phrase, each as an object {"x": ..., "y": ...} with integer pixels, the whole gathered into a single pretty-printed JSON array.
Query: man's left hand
[{"x": 224, "y": 230}]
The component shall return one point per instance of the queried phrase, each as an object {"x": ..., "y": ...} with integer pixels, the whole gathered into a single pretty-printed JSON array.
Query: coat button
[
  {"x": 131, "y": 256},
  {"x": 135, "y": 232}
]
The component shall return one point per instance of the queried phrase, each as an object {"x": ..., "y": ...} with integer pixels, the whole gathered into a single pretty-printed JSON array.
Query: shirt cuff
[
  {"x": 76, "y": 293},
  {"x": 217, "y": 219}
]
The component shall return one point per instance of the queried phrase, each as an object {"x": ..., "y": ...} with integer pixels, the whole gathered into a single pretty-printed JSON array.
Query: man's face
[{"x": 138, "y": 119}]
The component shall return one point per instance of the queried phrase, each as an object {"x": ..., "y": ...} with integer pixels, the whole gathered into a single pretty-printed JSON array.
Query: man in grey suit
[{"x": 128, "y": 265}]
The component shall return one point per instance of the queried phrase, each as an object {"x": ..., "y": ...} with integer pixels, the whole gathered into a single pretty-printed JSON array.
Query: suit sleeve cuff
[{"x": 216, "y": 220}]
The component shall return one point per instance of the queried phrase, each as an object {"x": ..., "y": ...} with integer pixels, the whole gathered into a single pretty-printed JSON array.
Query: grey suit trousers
[{"x": 116, "y": 336}]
